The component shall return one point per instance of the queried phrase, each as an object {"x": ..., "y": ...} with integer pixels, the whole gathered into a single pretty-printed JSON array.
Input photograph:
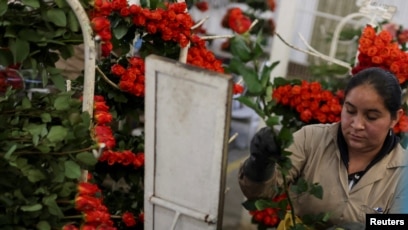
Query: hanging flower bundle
[
  {"x": 313, "y": 103},
  {"x": 380, "y": 50}
]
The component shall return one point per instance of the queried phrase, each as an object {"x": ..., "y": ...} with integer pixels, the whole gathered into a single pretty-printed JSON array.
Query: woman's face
[{"x": 365, "y": 122}]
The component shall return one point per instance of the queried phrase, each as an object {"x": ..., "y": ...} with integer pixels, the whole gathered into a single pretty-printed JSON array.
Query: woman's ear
[{"x": 399, "y": 114}]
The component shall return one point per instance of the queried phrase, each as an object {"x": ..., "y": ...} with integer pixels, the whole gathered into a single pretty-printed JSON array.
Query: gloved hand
[{"x": 263, "y": 148}]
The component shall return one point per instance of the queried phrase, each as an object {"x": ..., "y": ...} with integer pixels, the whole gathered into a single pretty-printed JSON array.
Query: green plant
[
  {"x": 247, "y": 63},
  {"x": 44, "y": 145}
]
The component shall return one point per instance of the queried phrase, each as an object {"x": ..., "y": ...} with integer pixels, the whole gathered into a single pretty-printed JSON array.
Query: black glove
[{"x": 259, "y": 166}]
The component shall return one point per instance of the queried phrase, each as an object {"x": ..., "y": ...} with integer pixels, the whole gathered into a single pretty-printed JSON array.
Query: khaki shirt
[{"x": 316, "y": 157}]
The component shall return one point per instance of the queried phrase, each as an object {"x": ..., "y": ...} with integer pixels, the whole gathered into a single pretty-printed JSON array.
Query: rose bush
[{"x": 70, "y": 169}]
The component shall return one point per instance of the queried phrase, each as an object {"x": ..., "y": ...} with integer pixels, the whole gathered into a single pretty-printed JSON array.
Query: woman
[{"x": 358, "y": 161}]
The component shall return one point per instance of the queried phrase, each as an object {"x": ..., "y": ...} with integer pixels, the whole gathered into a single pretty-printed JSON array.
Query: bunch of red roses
[
  {"x": 199, "y": 55},
  {"x": 104, "y": 137},
  {"x": 236, "y": 20},
  {"x": 132, "y": 78},
  {"x": 311, "y": 101},
  {"x": 381, "y": 50},
  {"x": 269, "y": 217},
  {"x": 172, "y": 23},
  {"x": 90, "y": 203}
]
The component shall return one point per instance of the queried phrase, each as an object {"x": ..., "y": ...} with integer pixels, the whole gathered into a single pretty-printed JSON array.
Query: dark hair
[{"x": 385, "y": 84}]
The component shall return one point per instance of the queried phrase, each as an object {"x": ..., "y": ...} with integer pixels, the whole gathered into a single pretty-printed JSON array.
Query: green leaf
[
  {"x": 57, "y": 16},
  {"x": 249, "y": 205},
  {"x": 72, "y": 170},
  {"x": 46, "y": 117},
  {"x": 268, "y": 96},
  {"x": 240, "y": 49},
  {"x": 67, "y": 189},
  {"x": 271, "y": 121},
  {"x": 31, "y": 208},
  {"x": 235, "y": 64},
  {"x": 285, "y": 136},
  {"x": 326, "y": 217},
  {"x": 257, "y": 51},
  {"x": 87, "y": 158},
  {"x": 11, "y": 32},
  {"x": 73, "y": 23},
  {"x": 248, "y": 102},
  {"x": 35, "y": 175},
  {"x": 31, "y": 35},
  {"x": 261, "y": 204},
  {"x": 6, "y": 57},
  {"x": 26, "y": 103},
  {"x": 251, "y": 79},
  {"x": 20, "y": 49},
  {"x": 61, "y": 3},
  {"x": 10, "y": 151},
  {"x": 59, "y": 81},
  {"x": 44, "y": 148},
  {"x": 3, "y": 7},
  {"x": 120, "y": 31},
  {"x": 266, "y": 73},
  {"x": 300, "y": 187},
  {"x": 33, "y": 3},
  {"x": 53, "y": 208},
  {"x": 43, "y": 225},
  {"x": 62, "y": 102},
  {"x": 58, "y": 172},
  {"x": 57, "y": 133},
  {"x": 35, "y": 129},
  {"x": 280, "y": 81},
  {"x": 317, "y": 191}
]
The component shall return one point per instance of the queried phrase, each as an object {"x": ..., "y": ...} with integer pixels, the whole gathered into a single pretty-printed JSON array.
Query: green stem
[
  {"x": 57, "y": 154},
  {"x": 73, "y": 217},
  {"x": 81, "y": 216},
  {"x": 286, "y": 187},
  {"x": 292, "y": 210}
]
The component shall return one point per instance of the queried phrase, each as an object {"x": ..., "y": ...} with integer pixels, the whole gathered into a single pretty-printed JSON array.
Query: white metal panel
[{"x": 186, "y": 137}]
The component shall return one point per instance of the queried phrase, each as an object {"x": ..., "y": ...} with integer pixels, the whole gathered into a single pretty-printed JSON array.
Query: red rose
[
  {"x": 100, "y": 23},
  {"x": 85, "y": 188},
  {"x": 128, "y": 219},
  {"x": 202, "y": 6}
]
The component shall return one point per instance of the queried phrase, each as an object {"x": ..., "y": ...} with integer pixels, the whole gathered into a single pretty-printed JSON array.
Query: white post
[
  {"x": 90, "y": 55},
  {"x": 90, "y": 62},
  {"x": 285, "y": 26}
]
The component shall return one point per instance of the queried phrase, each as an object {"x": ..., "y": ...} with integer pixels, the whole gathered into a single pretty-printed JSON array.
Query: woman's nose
[{"x": 358, "y": 122}]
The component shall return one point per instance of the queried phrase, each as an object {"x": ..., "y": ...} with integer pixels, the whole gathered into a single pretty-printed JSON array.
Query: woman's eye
[
  {"x": 372, "y": 118},
  {"x": 350, "y": 111}
]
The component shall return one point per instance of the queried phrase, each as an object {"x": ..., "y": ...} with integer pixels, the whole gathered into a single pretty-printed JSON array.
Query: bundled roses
[
  {"x": 381, "y": 50},
  {"x": 311, "y": 101}
]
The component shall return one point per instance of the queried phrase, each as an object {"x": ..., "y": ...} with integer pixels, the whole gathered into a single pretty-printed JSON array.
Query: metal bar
[
  {"x": 176, "y": 217},
  {"x": 183, "y": 210}
]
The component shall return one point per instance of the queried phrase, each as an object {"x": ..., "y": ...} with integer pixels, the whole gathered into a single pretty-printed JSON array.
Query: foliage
[
  {"x": 74, "y": 171},
  {"x": 36, "y": 34},
  {"x": 283, "y": 119},
  {"x": 43, "y": 150}
]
